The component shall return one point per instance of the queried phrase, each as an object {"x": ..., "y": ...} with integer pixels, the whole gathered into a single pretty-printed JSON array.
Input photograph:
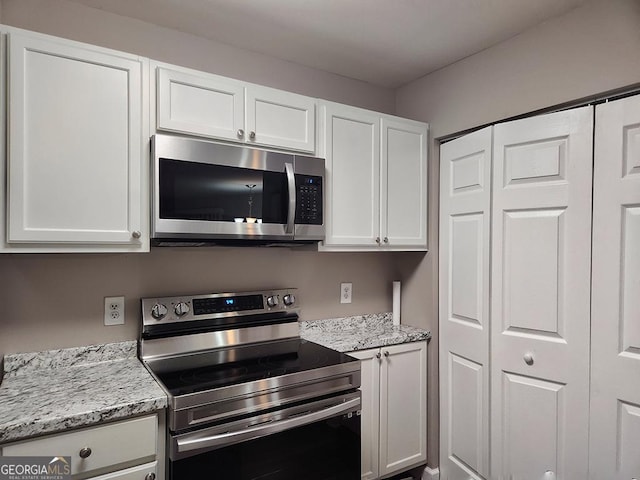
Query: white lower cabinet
[
  {"x": 394, "y": 408},
  {"x": 148, "y": 471},
  {"x": 125, "y": 450}
]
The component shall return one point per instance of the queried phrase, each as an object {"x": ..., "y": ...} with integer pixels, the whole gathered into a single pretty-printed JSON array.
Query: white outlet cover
[
  {"x": 346, "y": 289},
  {"x": 113, "y": 311}
]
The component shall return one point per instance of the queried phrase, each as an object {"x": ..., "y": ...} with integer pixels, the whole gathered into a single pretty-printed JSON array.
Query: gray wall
[{"x": 589, "y": 50}]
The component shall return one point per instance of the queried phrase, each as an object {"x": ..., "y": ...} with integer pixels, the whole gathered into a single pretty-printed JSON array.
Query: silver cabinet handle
[
  {"x": 150, "y": 476},
  {"x": 136, "y": 234},
  {"x": 528, "y": 358},
  {"x": 386, "y": 240},
  {"x": 378, "y": 355},
  {"x": 378, "y": 240},
  {"x": 85, "y": 452},
  {"x": 252, "y": 135},
  {"x": 386, "y": 353},
  {"x": 240, "y": 133}
]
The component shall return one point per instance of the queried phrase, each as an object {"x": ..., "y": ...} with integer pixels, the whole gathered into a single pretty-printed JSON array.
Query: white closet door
[
  {"x": 540, "y": 283},
  {"x": 465, "y": 186},
  {"x": 615, "y": 389}
]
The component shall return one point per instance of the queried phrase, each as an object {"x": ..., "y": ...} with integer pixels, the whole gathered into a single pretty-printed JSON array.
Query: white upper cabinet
[
  {"x": 403, "y": 203},
  {"x": 77, "y": 147},
  {"x": 351, "y": 148},
  {"x": 208, "y": 105},
  {"x": 205, "y": 105},
  {"x": 376, "y": 180}
]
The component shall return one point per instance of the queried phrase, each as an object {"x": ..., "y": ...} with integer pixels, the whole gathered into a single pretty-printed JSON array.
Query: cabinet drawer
[
  {"x": 141, "y": 472},
  {"x": 113, "y": 445}
]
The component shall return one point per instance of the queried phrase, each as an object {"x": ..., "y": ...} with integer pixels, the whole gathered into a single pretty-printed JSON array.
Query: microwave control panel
[{"x": 308, "y": 200}]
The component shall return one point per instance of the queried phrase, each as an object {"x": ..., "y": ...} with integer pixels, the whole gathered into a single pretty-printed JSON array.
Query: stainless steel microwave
[{"x": 205, "y": 192}]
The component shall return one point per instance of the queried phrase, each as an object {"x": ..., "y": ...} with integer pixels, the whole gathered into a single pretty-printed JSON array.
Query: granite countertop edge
[
  {"x": 360, "y": 332},
  {"x": 35, "y": 394}
]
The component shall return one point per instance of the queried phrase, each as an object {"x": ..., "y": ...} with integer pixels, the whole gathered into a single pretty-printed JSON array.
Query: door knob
[
  {"x": 85, "y": 452},
  {"x": 528, "y": 358},
  {"x": 252, "y": 135},
  {"x": 240, "y": 133}
]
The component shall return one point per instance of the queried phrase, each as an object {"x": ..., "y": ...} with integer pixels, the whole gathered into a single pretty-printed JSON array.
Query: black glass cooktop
[{"x": 231, "y": 366}]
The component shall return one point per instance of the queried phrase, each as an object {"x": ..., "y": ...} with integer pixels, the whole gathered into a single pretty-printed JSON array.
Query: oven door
[{"x": 319, "y": 440}]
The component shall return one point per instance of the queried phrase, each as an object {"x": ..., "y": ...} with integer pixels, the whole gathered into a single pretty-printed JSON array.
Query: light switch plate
[{"x": 346, "y": 289}]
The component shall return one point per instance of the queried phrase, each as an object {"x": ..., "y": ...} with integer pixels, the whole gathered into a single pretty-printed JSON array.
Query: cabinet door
[
  {"x": 403, "y": 407},
  {"x": 148, "y": 471},
  {"x": 465, "y": 211},
  {"x": 403, "y": 183},
  {"x": 540, "y": 291},
  {"x": 121, "y": 443},
  {"x": 280, "y": 119},
  {"x": 615, "y": 325},
  {"x": 352, "y": 151},
  {"x": 370, "y": 419},
  {"x": 75, "y": 152},
  {"x": 200, "y": 104}
]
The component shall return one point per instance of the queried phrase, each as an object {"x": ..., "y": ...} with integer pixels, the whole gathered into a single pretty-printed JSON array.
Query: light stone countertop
[
  {"x": 52, "y": 391},
  {"x": 49, "y": 392},
  {"x": 360, "y": 332}
]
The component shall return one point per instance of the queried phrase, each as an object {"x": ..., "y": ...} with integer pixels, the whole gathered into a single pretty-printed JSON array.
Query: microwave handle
[{"x": 291, "y": 181}]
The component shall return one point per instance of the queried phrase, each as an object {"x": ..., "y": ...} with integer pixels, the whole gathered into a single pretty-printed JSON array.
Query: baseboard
[{"x": 431, "y": 474}]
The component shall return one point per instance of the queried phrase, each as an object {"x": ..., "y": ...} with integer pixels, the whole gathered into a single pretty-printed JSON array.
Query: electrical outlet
[
  {"x": 114, "y": 310},
  {"x": 345, "y": 292}
]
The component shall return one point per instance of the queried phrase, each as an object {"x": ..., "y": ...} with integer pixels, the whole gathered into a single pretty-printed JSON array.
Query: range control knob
[
  {"x": 181, "y": 309},
  {"x": 158, "y": 311},
  {"x": 272, "y": 301},
  {"x": 289, "y": 299}
]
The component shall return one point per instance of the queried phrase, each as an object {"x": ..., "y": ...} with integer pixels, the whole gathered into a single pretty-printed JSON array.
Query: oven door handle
[
  {"x": 189, "y": 443},
  {"x": 291, "y": 183}
]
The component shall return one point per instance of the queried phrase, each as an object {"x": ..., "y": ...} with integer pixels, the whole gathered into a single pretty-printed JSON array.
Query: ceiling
[{"x": 384, "y": 42}]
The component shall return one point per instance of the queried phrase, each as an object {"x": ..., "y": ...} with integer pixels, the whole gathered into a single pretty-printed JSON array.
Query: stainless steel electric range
[{"x": 248, "y": 398}]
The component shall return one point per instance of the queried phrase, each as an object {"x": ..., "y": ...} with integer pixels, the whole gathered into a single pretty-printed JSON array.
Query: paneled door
[
  {"x": 351, "y": 148},
  {"x": 465, "y": 195},
  {"x": 540, "y": 296},
  {"x": 615, "y": 388},
  {"x": 76, "y": 159},
  {"x": 403, "y": 187},
  {"x": 200, "y": 104}
]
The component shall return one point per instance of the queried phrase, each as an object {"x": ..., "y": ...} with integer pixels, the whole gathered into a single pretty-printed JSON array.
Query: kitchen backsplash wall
[{"x": 54, "y": 301}]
